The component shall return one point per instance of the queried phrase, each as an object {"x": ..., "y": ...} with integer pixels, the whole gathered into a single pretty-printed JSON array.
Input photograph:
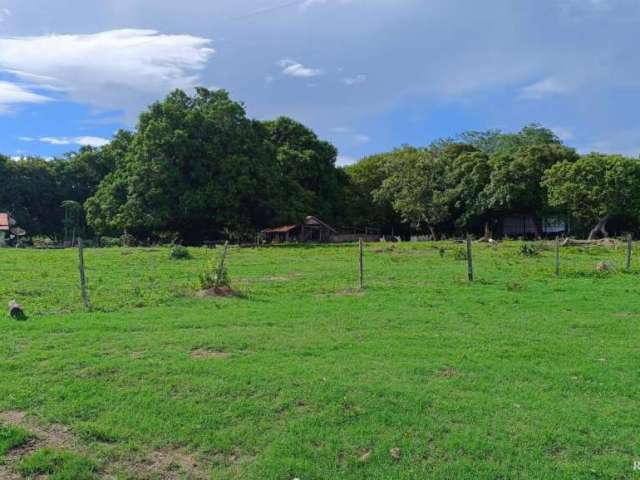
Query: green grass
[
  {"x": 518, "y": 375},
  {"x": 58, "y": 465},
  {"x": 10, "y": 438}
]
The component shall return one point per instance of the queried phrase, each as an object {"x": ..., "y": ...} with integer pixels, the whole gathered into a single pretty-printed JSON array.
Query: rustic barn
[{"x": 311, "y": 230}]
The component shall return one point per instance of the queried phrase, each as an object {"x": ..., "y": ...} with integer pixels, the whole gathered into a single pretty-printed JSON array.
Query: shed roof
[
  {"x": 4, "y": 222},
  {"x": 285, "y": 229},
  {"x": 311, "y": 220}
]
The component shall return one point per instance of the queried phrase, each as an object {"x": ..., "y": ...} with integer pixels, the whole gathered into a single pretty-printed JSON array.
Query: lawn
[{"x": 423, "y": 375}]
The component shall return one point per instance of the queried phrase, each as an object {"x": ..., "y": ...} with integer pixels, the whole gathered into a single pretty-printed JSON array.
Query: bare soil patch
[
  {"x": 205, "y": 353},
  {"x": 54, "y": 435}
]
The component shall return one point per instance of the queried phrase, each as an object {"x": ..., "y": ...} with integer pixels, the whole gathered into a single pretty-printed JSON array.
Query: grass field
[{"x": 422, "y": 375}]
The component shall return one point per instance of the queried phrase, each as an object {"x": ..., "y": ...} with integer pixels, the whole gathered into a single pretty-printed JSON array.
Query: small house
[
  {"x": 6, "y": 222},
  {"x": 311, "y": 230}
]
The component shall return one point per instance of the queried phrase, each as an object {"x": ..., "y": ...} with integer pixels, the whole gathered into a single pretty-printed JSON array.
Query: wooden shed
[{"x": 311, "y": 230}]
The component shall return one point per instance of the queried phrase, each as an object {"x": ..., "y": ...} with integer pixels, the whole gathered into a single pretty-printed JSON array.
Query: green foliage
[
  {"x": 179, "y": 252},
  {"x": 110, "y": 241},
  {"x": 595, "y": 187},
  {"x": 12, "y": 437},
  {"x": 211, "y": 277},
  {"x": 58, "y": 465},
  {"x": 530, "y": 250}
]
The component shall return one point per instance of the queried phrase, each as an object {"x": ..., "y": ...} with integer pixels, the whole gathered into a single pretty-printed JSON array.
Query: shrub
[
  {"x": 40, "y": 241},
  {"x": 529, "y": 250},
  {"x": 110, "y": 241},
  {"x": 179, "y": 252},
  {"x": 209, "y": 277}
]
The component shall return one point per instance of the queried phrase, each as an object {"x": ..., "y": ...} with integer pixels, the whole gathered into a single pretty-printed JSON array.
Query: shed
[{"x": 311, "y": 230}]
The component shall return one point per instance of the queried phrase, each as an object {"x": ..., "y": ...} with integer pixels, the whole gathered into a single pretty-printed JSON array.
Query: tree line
[{"x": 198, "y": 168}]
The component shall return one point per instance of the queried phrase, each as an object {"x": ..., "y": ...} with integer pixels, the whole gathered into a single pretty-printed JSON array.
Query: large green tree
[
  {"x": 596, "y": 187},
  {"x": 415, "y": 188},
  {"x": 306, "y": 170}
]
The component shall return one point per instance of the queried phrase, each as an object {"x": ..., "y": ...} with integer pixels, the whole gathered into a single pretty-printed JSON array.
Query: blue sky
[{"x": 368, "y": 75}]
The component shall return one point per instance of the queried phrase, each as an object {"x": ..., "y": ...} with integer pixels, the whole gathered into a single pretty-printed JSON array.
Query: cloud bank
[{"x": 117, "y": 70}]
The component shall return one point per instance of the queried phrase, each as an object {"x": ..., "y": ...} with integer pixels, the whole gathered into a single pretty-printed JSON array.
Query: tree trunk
[
  {"x": 600, "y": 227},
  {"x": 434, "y": 235},
  {"x": 488, "y": 234}
]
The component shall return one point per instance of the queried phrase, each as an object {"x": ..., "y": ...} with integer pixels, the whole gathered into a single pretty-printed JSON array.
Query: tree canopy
[{"x": 196, "y": 167}]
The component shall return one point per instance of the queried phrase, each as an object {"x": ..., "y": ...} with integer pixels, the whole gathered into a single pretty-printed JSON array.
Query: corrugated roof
[
  {"x": 4, "y": 221},
  {"x": 311, "y": 220},
  {"x": 285, "y": 229}
]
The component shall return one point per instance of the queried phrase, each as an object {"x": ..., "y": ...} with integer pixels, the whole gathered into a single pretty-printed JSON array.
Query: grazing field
[{"x": 423, "y": 375}]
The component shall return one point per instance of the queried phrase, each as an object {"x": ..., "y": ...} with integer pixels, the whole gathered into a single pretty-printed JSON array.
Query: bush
[
  {"x": 209, "y": 278},
  {"x": 110, "y": 242},
  {"x": 40, "y": 241},
  {"x": 179, "y": 252},
  {"x": 530, "y": 250}
]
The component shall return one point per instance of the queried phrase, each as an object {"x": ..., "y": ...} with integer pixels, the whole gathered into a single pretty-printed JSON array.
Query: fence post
[
  {"x": 221, "y": 265},
  {"x": 83, "y": 277},
  {"x": 629, "y": 250},
  {"x": 469, "y": 258},
  {"x": 557, "y": 256},
  {"x": 361, "y": 263}
]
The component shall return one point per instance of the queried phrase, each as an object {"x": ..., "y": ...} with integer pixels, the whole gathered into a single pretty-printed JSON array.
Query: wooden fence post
[
  {"x": 557, "y": 256},
  {"x": 469, "y": 258},
  {"x": 361, "y": 263},
  {"x": 629, "y": 250},
  {"x": 221, "y": 265},
  {"x": 83, "y": 277}
]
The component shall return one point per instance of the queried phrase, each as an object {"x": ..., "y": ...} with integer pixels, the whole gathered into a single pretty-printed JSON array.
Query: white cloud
[
  {"x": 84, "y": 141},
  {"x": 357, "y": 80},
  {"x": 295, "y": 69},
  {"x": 543, "y": 88},
  {"x": 117, "y": 69},
  {"x": 14, "y": 93}
]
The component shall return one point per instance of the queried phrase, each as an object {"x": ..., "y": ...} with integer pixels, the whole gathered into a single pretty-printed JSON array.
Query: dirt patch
[
  {"x": 167, "y": 464},
  {"x": 137, "y": 355},
  {"x": 204, "y": 353},
  {"x": 350, "y": 292},
  {"x": 54, "y": 435},
  {"x": 216, "y": 292}
]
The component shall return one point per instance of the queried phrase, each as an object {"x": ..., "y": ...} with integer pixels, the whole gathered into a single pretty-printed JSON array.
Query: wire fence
[{"x": 50, "y": 282}]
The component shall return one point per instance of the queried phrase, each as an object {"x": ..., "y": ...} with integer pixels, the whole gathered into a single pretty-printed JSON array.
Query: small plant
[
  {"x": 179, "y": 252},
  {"x": 529, "y": 250},
  {"x": 214, "y": 277}
]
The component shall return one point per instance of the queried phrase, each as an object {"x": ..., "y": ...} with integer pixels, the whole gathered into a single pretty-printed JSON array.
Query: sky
[{"x": 367, "y": 75}]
